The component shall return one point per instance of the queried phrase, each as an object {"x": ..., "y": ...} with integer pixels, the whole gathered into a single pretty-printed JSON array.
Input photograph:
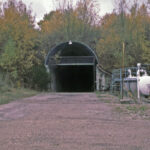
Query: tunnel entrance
[
  {"x": 72, "y": 67},
  {"x": 74, "y": 78}
]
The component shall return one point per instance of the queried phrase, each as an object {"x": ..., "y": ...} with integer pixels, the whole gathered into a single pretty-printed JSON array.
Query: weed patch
[
  {"x": 119, "y": 109},
  {"x": 137, "y": 109},
  {"x": 10, "y": 94}
]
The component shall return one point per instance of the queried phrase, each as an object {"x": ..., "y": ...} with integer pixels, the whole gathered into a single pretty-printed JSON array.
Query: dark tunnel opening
[
  {"x": 74, "y": 50},
  {"x": 74, "y": 78}
]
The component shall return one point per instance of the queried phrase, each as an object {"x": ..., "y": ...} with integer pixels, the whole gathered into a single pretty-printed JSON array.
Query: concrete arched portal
[{"x": 73, "y": 67}]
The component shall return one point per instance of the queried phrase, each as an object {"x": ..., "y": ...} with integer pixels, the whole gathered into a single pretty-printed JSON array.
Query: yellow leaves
[
  {"x": 53, "y": 24},
  {"x": 108, "y": 20},
  {"x": 108, "y": 44},
  {"x": 18, "y": 54},
  {"x": 134, "y": 30}
]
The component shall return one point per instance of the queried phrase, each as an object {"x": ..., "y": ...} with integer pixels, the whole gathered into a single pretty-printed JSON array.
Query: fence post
[
  {"x": 138, "y": 80},
  {"x": 121, "y": 84}
]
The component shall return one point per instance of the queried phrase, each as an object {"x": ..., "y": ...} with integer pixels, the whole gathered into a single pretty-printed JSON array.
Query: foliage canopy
[{"x": 22, "y": 47}]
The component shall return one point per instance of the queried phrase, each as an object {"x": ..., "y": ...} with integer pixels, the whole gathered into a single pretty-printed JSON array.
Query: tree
[
  {"x": 70, "y": 23},
  {"x": 109, "y": 45},
  {"x": 51, "y": 22},
  {"x": 18, "y": 40},
  {"x": 131, "y": 26}
]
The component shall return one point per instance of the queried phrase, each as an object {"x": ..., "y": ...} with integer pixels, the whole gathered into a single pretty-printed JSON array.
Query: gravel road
[{"x": 69, "y": 121}]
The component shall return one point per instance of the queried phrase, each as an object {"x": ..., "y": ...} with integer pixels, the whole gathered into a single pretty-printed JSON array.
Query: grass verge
[
  {"x": 134, "y": 110},
  {"x": 106, "y": 97},
  {"x": 141, "y": 109},
  {"x": 128, "y": 108},
  {"x": 10, "y": 94}
]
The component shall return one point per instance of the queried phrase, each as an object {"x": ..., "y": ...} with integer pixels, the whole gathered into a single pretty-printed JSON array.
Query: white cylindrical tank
[{"x": 144, "y": 85}]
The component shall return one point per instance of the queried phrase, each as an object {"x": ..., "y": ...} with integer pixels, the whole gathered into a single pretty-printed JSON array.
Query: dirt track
[{"x": 69, "y": 122}]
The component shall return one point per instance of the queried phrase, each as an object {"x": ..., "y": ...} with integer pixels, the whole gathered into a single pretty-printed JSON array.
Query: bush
[
  {"x": 5, "y": 83},
  {"x": 39, "y": 78}
]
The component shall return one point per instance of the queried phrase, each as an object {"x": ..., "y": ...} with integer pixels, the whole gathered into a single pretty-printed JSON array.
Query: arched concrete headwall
[
  {"x": 81, "y": 50},
  {"x": 76, "y": 76}
]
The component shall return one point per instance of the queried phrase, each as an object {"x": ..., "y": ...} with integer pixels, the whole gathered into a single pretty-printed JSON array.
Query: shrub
[{"x": 39, "y": 78}]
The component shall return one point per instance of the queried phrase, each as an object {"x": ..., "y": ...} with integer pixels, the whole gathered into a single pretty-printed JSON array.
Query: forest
[{"x": 23, "y": 46}]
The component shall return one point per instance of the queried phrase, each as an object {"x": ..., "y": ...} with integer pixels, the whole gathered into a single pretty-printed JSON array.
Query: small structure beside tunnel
[{"x": 74, "y": 67}]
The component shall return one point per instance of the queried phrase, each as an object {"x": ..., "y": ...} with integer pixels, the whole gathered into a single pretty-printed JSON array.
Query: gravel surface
[{"x": 69, "y": 121}]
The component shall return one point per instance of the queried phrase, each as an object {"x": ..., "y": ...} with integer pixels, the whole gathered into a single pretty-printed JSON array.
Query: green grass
[
  {"x": 119, "y": 109},
  {"x": 10, "y": 94},
  {"x": 137, "y": 109}
]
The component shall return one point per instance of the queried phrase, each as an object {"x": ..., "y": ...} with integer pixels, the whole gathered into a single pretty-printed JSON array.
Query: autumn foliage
[
  {"x": 131, "y": 26},
  {"x": 22, "y": 47}
]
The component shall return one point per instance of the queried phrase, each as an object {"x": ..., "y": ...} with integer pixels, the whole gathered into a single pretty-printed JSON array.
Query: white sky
[{"x": 40, "y": 7}]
